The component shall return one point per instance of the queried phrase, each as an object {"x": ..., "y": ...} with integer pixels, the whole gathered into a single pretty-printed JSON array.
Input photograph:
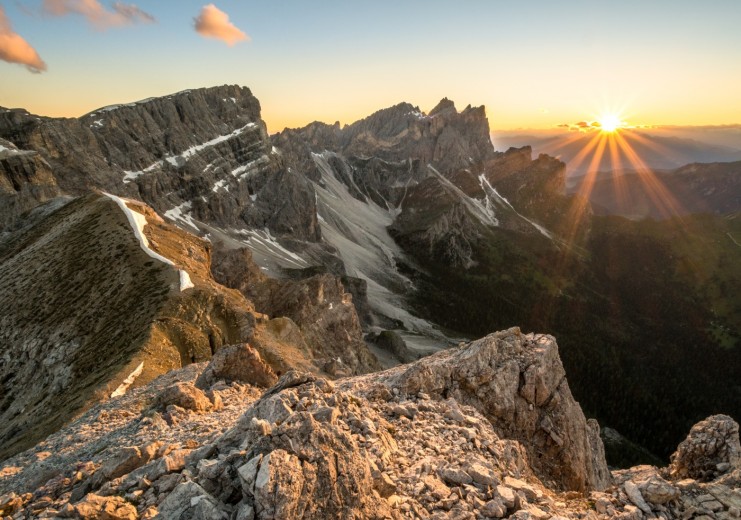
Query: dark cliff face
[
  {"x": 26, "y": 180},
  {"x": 201, "y": 153}
]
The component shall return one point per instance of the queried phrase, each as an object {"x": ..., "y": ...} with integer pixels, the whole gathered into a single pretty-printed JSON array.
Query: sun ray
[{"x": 655, "y": 189}]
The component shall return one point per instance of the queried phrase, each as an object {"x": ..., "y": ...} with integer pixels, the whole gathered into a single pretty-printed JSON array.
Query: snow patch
[
  {"x": 121, "y": 390},
  {"x": 185, "y": 282},
  {"x": 221, "y": 185},
  {"x": 359, "y": 232},
  {"x": 417, "y": 114},
  {"x": 15, "y": 151},
  {"x": 183, "y": 157},
  {"x": 98, "y": 123},
  {"x": 247, "y": 169},
  {"x": 485, "y": 185},
  {"x": 190, "y": 152},
  {"x": 264, "y": 243},
  {"x": 483, "y": 211},
  {"x": 110, "y": 108},
  {"x": 130, "y": 176},
  {"x": 137, "y": 221},
  {"x": 180, "y": 213}
]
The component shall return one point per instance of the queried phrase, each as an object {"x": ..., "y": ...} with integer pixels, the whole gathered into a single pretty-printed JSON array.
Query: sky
[{"x": 533, "y": 64}]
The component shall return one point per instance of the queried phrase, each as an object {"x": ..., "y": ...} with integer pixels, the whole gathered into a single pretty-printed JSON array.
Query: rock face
[
  {"x": 317, "y": 304},
  {"x": 202, "y": 154},
  {"x": 518, "y": 383},
  {"x": 26, "y": 181}
]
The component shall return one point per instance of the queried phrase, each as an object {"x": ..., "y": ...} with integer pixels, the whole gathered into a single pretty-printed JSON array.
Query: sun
[{"x": 610, "y": 123}]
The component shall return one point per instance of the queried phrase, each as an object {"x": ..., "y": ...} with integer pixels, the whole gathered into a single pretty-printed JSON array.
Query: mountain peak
[{"x": 445, "y": 105}]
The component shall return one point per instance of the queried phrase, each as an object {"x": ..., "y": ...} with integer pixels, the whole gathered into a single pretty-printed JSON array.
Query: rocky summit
[{"x": 485, "y": 430}]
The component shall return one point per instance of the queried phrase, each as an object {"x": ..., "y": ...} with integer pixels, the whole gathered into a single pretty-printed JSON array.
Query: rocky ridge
[
  {"x": 366, "y": 447},
  {"x": 199, "y": 154},
  {"x": 151, "y": 305}
]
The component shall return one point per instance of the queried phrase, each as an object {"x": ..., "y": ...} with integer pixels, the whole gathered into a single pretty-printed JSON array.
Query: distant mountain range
[
  {"x": 694, "y": 188},
  {"x": 661, "y": 148}
]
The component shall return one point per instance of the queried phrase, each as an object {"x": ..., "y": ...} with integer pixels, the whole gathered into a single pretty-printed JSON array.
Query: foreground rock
[
  {"x": 711, "y": 449},
  {"x": 517, "y": 382},
  {"x": 419, "y": 441}
]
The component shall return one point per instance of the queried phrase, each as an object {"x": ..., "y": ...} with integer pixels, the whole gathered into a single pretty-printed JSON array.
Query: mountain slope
[
  {"x": 693, "y": 188},
  {"x": 99, "y": 290}
]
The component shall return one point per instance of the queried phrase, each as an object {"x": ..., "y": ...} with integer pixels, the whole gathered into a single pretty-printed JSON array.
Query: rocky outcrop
[
  {"x": 379, "y": 156},
  {"x": 446, "y": 138},
  {"x": 369, "y": 447},
  {"x": 710, "y": 450},
  {"x": 517, "y": 381},
  {"x": 317, "y": 304},
  {"x": 237, "y": 363}
]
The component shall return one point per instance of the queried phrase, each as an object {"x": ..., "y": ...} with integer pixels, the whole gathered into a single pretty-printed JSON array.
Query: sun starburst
[{"x": 610, "y": 122}]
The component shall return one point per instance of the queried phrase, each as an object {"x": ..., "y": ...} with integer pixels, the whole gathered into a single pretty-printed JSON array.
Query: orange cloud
[
  {"x": 95, "y": 13},
  {"x": 214, "y": 23},
  {"x": 14, "y": 49}
]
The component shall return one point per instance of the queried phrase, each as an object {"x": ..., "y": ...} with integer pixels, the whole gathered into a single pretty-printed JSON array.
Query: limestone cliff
[{"x": 198, "y": 154}]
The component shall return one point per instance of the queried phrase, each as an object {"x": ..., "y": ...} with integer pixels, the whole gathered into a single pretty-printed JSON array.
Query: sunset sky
[{"x": 534, "y": 64}]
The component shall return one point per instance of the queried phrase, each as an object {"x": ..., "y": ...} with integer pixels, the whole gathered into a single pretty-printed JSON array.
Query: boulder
[
  {"x": 94, "y": 507},
  {"x": 711, "y": 449},
  {"x": 183, "y": 395},
  {"x": 240, "y": 363}
]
